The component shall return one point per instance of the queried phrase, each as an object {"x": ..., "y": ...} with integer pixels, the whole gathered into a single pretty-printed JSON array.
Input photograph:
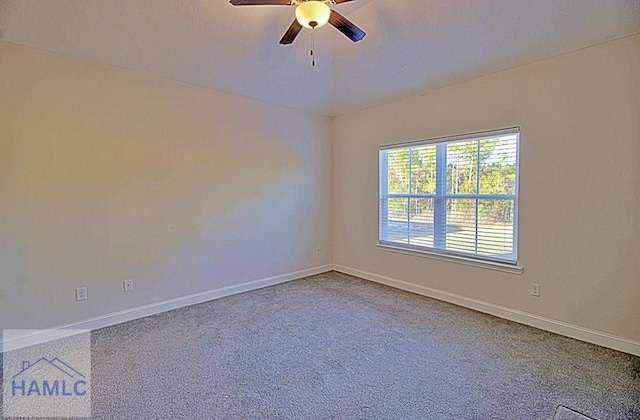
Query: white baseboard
[
  {"x": 558, "y": 327},
  {"x": 32, "y": 337}
]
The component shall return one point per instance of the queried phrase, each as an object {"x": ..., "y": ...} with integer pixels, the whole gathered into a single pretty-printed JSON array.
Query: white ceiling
[{"x": 412, "y": 46}]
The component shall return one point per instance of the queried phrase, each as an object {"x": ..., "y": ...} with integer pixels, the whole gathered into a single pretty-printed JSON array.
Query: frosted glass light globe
[{"x": 312, "y": 14}]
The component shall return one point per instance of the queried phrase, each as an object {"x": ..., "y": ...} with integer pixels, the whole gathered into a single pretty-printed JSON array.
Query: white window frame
[{"x": 440, "y": 196}]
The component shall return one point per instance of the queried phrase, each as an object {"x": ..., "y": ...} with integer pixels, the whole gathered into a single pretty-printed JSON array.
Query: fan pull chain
[{"x": 313, "y": 57}]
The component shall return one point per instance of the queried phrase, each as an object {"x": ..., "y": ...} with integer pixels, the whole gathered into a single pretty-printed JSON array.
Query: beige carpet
[{"x": 337, "y": 347}]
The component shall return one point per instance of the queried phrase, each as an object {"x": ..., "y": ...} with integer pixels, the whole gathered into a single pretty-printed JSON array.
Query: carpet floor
[{"x": 334, "y": 346}]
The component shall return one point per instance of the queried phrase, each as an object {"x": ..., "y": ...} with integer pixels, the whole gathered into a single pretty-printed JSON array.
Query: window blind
[{"x": 453, "y": 196}]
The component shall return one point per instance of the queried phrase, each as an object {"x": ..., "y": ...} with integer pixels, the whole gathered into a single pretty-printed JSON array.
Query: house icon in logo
[{"x": 48, "y": 378}]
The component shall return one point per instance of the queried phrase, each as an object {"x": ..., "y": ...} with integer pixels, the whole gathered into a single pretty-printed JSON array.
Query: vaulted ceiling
[{"x": 412, "y": 46}]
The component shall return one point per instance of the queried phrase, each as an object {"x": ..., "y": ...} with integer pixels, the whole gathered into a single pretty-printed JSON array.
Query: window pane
[
  {"x": 398, "y": 172},
  {"x": 498, "y": 165},
  {"x": 455, "y": 195},
  {"x": 462, "y": 162},
  {"x": 461, "y": 225},
  {"x": 495, "y": 228},
  {"x": 421, "y": 222},
  {"x": 423, "y": 170},
  {"x": 397, "y": 228}
]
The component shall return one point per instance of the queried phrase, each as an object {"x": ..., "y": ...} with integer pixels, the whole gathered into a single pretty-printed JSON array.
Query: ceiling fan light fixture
[{"x": 312, "y": 14}]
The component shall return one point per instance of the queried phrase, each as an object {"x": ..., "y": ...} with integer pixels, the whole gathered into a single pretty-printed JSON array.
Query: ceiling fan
[{"x": 310, "y": 14}]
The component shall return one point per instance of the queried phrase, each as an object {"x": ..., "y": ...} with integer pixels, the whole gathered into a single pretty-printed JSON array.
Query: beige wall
[
  {"x": 108, "y": 174},
  {"x": 579, "y": 185}
]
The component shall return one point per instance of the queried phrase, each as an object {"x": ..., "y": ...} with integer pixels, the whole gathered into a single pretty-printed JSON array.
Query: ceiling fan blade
[
  {"x": 291, "y": 33},
  {"x": 345, "y": 26},
  {"x": 341, "y": 1},
  {"x": 260, "y": 2}
]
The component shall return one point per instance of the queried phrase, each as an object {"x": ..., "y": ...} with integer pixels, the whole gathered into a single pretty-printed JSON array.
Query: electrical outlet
[
  {"x": 81, "y": 293},
  {"x": 535, "y": 289},
  {"x": 128, "y": 285},
  {"x": 318, "y": 251}
]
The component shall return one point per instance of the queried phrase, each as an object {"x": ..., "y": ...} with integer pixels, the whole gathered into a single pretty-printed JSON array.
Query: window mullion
[
  {"x": 384, "y": 195},
  {"x": 440, "y": 202},
  {"x": 477, "y": 193},
  {"x": 409, "y": 198}
]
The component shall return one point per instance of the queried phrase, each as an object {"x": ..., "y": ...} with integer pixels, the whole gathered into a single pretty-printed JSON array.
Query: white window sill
[{"x": 491, "y": 265}]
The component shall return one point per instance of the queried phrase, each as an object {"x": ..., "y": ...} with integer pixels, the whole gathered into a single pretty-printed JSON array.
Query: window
[{"x": 454, "y": 196}]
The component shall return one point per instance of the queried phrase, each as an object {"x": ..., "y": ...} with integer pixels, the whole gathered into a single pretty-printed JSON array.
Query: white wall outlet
[
  {"x": 535, "y": 289},
  {"x": 81, "y": 293},
  {"x": 128, "y": 285},
  {"x": 318, "y": 251}
]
